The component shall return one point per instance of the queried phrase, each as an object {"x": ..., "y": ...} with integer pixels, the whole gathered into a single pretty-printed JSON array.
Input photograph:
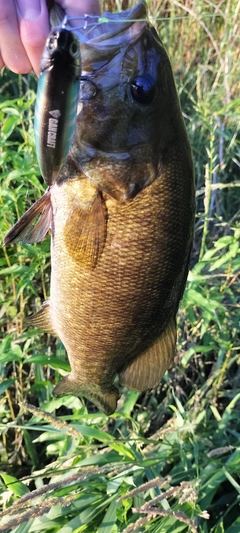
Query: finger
[
  {"x": 74, "y": 9},
  {"x": 11, "y": 48},
  {"x": 34, "y": 27},
  {"x": 1, "y": 62}
]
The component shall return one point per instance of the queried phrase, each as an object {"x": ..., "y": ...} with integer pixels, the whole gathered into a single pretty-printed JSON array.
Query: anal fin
[
  {"x": 86, "y": 227},
  {"x": 147, "y": 370},
  {"x": 42, "y": 319},
  {"x": 24, "y": 230}
]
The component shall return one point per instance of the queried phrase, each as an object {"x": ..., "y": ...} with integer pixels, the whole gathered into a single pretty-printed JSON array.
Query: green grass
[{"x": 168, "y": 460}]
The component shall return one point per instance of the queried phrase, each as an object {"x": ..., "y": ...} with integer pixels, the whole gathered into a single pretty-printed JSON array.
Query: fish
[
  {"x": 121, "y": 215},
  {"x": 57, "y": 101}
]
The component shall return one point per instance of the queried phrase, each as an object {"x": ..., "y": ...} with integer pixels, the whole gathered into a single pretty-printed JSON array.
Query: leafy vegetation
[{"x": 167, "y": 460}]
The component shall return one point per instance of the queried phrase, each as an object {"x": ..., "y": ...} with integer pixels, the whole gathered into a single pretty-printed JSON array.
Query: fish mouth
[
  {"x": 103, "y": 41},
  {"x": 109, "y": 31},
  {"x": 119, "y": 28}
]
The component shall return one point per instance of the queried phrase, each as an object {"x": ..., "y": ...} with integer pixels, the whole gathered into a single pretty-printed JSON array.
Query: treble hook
[{"x": 88, "y": 21}]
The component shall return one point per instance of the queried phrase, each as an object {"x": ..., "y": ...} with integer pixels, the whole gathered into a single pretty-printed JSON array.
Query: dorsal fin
[
  {"x": 147, "y": 370},
  {"x": 42, "y": 319},
  {"x": 85, "y": 229},
  {"x": 24, "y": 230}
]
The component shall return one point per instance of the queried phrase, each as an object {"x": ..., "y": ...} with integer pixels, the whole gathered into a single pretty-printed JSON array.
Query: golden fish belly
[{"x": 105, "y": 316}]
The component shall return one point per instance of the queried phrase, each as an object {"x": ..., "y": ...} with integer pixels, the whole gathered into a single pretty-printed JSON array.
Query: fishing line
[
  {"x": 101, "y": 19},
  {"x": 89, "y": 21}
]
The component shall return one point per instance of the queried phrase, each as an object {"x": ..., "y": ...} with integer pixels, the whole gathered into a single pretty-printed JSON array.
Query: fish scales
[
  {"x": 122, "y": 214},
  {"x": 129, "y": 298}
]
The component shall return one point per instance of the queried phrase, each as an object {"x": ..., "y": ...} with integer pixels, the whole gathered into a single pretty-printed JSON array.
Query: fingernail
[{"x": 29, "y": 9}]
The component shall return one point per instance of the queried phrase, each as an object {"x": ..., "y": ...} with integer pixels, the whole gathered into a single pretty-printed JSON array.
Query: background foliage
[{"x": 167, "y": 460}]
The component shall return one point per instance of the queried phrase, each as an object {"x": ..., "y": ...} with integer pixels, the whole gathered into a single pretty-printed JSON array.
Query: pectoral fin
[
  {"x": 85, "y": 230},
  {"x": 147, "y": 370},
  {"x": 42, "y": 319},
  {"x": 24, "y": 230},
  {"x": 104, "y": 399}
]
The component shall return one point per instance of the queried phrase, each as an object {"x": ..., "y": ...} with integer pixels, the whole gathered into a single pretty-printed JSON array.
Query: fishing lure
[{"x": 57, "y": 100}]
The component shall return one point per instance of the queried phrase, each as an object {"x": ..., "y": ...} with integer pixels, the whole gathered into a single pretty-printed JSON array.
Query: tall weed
[{"x": 167, "y": 460}]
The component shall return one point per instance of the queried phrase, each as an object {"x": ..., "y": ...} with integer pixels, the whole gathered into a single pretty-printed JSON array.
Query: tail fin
[{"x": 104, "y": 399}]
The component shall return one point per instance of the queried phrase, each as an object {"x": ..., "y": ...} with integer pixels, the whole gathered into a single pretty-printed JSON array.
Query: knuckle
[{"x": 5, "y": 15}]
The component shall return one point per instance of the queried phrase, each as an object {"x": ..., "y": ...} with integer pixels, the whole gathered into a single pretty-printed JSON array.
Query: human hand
[{"x": 24, "y": 27}]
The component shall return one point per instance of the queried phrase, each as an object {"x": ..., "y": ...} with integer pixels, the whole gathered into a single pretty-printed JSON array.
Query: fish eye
[
  {"x": 143, "y": 89},
  {"x": 74, "y": 49}
]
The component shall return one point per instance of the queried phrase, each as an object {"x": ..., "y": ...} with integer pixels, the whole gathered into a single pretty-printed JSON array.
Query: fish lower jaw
[
  {"x": 104, "y": 398},
  {"x": 89, "y": 152}
]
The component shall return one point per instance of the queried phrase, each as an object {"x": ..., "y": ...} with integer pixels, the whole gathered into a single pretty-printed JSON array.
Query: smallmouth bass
[{"x": 121, "y": 215}]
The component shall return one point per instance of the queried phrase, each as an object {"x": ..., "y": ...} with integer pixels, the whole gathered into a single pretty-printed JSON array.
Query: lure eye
[
  {"x": 74, "y": 49},
  {"x": 53, "y": 41},
  {"x": 143, "y": 89}
]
